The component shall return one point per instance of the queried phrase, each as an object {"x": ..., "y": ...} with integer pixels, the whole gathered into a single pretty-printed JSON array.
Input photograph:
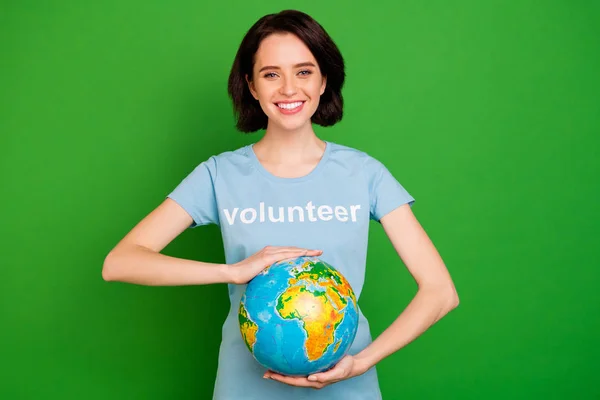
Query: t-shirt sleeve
[
  {"x": 385, "y": 192},
  {"x": 196, "y": 194}
]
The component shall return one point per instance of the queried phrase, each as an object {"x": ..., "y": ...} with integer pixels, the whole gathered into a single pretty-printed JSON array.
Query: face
[{"x": 287, "y": 81}]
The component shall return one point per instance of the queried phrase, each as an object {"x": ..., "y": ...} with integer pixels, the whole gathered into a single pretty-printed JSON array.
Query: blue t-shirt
[{"x": 328, "y": 209}]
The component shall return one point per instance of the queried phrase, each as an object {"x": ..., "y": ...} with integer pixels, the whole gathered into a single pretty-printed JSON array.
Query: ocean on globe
[{"x": 298, "y": 316}]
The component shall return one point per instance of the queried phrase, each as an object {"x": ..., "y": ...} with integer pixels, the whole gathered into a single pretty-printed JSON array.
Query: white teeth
[{"x": 289, "y": 106}]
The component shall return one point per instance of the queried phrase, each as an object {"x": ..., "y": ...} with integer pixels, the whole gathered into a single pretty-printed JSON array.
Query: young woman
[{"x": 287, "y": 195}]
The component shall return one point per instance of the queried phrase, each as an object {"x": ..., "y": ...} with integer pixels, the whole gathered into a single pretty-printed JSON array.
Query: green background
[{"x": 487, "y": 112}]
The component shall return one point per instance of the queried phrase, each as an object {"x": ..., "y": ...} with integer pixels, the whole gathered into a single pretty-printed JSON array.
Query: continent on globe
[
  {"x": 319, "y": 309},
  {"x": 247, "y": 327},
  {"x": 298, "y": 316}
]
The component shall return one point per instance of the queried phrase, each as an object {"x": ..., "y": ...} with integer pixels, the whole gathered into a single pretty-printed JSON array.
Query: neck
[{"x": 282, "y": 146}]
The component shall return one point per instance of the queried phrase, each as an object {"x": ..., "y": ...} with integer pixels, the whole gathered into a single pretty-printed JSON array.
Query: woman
[{"x": 289, "y": 194}]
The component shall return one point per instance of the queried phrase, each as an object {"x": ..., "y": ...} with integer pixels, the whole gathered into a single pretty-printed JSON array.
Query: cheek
[
  {"x": 265, "y": 93},
  {"x": 315, "y": 89}
]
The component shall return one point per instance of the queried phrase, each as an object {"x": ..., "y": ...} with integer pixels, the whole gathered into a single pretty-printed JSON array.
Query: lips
[{"x": 290, "y": 107}]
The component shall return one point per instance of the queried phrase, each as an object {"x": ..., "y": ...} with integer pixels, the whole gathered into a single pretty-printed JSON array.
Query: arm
[
  {"x": 137, "y": 259},
  {"x": 436, "y": 295}
]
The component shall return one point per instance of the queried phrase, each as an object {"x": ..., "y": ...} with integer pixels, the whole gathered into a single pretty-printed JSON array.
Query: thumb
[{"x": 327, "y": 376}]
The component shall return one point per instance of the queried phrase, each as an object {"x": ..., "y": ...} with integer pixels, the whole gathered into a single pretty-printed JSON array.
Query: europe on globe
[{"x": 298, "y": 316}]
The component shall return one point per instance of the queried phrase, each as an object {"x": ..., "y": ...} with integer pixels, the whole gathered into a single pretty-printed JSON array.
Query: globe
[{"x": 298, "y": 316}]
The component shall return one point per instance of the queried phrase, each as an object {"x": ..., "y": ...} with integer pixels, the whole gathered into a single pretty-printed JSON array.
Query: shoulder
[
  {"x": 357, "y": 158},
  {"x": 238, "y": 155},
  {"x": 346, "y": 152},
  {"x": 226, "y": 161}
]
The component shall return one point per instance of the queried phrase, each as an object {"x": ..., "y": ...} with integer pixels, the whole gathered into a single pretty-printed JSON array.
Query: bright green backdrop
[{"x": 487, "y": 111}]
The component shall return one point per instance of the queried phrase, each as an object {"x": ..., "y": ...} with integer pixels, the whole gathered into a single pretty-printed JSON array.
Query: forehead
[{"x": 282, "y": 49}]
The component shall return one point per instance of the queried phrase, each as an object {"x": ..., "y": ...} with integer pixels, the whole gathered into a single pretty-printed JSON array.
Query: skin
[
  {"x": 289, "y": 149},
  {"x": 285, "y": 70}
]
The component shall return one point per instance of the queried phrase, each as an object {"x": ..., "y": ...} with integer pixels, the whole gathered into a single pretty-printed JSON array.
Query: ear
[
  {"x": 251, "y": 87},
  {"x": 323, "y": 85}
]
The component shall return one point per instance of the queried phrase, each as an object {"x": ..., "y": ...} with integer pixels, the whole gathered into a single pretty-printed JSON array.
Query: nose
[{"x": 288, "y": 87}]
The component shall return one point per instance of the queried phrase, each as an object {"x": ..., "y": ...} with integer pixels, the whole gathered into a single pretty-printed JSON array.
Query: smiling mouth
[{"x": 289, "y": 106}]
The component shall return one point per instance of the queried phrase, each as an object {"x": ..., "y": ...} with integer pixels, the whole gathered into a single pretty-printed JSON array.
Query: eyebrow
[{"x": 302, "y": 64}]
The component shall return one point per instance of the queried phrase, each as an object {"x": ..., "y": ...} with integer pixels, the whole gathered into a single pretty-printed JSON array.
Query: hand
[
  {"x": 243, "y": 271},
  {"x": 346, "y": 368}
]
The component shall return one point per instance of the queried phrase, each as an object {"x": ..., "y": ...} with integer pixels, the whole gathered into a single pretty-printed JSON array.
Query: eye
[
  {"x": 269, "y": 75},
  {"x": 305, "y": 72}
]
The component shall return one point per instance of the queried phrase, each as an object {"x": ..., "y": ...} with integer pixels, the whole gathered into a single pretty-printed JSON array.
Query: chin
[
  {"x": 292, "y": 125},
  {"x": 290, "y": 122}
]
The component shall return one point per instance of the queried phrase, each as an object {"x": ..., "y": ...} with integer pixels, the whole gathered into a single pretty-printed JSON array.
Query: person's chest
[{"x": 318, "y": 214}]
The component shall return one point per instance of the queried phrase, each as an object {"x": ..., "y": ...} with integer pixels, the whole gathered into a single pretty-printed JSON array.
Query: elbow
[
  {"x": 445, "y": 295},
  {"x": 454, "y": 301},
  {"x": 451, "y": 297},
  {"x": 108, "y": 268}
]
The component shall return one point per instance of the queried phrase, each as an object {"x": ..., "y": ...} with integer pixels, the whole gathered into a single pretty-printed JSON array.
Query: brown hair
[{"x": 249, "y": 115}]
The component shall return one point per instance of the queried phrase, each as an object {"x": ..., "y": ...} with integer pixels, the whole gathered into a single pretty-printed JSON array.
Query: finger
[
  {"x": 278, "y": 249},
  {"x": 294, "y": 381},
  {"x": 313, "y": 252},
  {"x": 299, "y": 252},
  {"x": 287, "y": 254},
  {"x": 332, "y": 375},
  {"x": 274, "y": 251},
  {"x": 270, "y": 250},
  {"x": 294, "y": 249},
  {"x": 292, "y": 255}
]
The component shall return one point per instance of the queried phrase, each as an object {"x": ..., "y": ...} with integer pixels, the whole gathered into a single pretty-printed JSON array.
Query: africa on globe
[{"x": 298, "y": 316}]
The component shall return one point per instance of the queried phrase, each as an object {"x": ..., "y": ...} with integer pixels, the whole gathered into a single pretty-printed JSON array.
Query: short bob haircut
[{"x": 249, "y": 115}]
